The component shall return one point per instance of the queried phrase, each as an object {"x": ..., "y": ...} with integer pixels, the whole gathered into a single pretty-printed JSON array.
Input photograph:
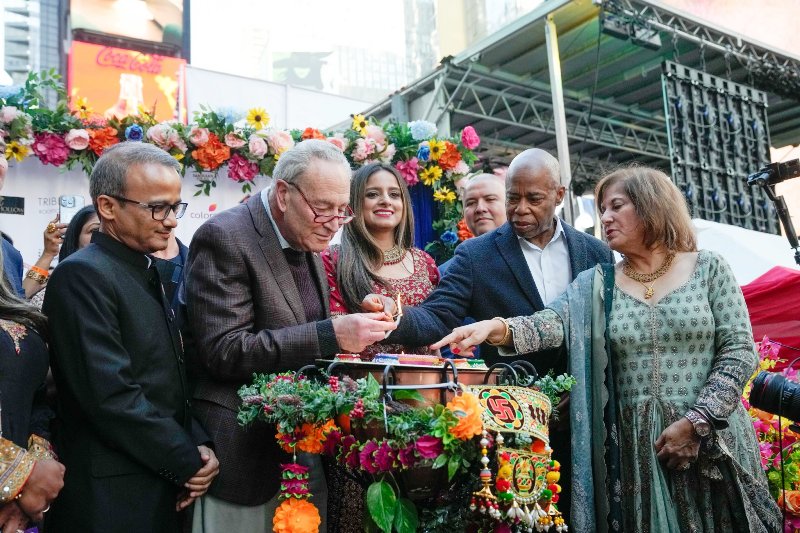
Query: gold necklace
[
  {"x": 644, "y": 279},
  {"x": 393, "y": 255}
]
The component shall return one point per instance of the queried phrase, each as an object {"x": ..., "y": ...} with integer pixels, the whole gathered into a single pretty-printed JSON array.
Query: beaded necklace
[{"x": 644, "y": 279}]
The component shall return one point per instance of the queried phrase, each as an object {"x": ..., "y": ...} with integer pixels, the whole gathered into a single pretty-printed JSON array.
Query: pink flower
[
  {"x": 332, "y": 442},
  {"x": 51, "y": 149},
  {"x": 240, "y": 169},
  {"x": 198, "y": 136},
  {"x": 408, "y": 169},
  {"x": 460, "y": 169},
  {"x": 295, "y": 468},
  {"x": 8, "y": 113},
  {"x": 407, "y": 456},
  {"x": 77, "y": 139},
  {"x": 388, "y": 154},
  {"x": 348, "y": 453},
  {"x": 234, "y": 141},
  {"x": 258, "y": 147},
  {"x": 166, "y": 137},
  {"x": 367, "y": 457},
  {"x": 385, "y": 457},
  {"x": 364, "y": 148},
  {"x": 376, "y": 134},
  {"x": 279, "y": 141},
  {"x": 429, "y": 447},
  {"x": 469, "y": 138},
  {"x": 338, "y": 141}
]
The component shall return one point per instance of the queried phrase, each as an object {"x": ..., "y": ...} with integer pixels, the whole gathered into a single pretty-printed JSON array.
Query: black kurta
[{"x": 127, "y": 438}]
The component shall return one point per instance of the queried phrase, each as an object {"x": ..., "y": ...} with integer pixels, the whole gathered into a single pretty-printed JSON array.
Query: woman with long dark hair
[{"x": 377, "y": 254}]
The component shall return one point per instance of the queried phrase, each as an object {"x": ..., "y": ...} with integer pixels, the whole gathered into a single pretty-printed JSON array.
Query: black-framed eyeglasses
[
  {"x": 343, "y": 218},
  {"x": 160, "y": 211}
]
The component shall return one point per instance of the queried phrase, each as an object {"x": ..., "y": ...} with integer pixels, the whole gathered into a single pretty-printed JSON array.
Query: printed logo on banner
[
  {"x": 12, "y": 205},
  {"x": 48, "y": 205},
  {"x": 207, "y": 213}
]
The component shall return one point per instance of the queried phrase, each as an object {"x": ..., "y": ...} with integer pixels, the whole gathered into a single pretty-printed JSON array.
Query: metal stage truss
[{"x": 611, "y": 55}]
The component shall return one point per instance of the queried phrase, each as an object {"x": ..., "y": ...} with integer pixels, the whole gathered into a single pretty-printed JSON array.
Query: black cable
[{"x": 591, "y": 100}]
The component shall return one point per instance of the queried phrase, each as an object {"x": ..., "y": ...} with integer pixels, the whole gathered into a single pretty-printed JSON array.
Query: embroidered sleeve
[
  {"x": 433, "y": 270},
  {"x": 40, "y": 448},
  {"x": 329, "y": 259},
  {"x": 16, "y": 466},
  {"x": 540, "y": 331},
  {"x": 735, "y": 359}
]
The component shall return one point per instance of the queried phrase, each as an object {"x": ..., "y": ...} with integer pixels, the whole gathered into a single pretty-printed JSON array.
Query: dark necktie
[{"x": 306, "y": 286}]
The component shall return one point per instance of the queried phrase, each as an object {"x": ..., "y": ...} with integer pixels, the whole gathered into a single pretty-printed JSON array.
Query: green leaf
[
  {"x": 381, "y": 502},
  {"x": 452, "y": 466},
  {"x": 405, "y": 516},
  {"x": 373, "y": 387},
  {"x": 440, "y": 461},
  {"x": 406, "y": 394}
]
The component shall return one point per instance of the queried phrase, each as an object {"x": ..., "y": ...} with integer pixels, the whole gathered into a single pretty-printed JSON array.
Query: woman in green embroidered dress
[{"x": 661, "y": 346}]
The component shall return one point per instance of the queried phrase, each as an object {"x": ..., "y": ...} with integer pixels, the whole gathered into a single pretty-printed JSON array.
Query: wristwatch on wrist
[{"x": 701, "y": 425}]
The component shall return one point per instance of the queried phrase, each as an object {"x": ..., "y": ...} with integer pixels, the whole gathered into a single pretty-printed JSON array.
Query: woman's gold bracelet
[
  {"x": 35, "y": 276},
  {"x": 506, "y": 340}
]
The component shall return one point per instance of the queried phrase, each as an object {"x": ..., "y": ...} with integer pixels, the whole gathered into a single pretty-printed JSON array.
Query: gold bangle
[
  {"x": 506, "y": 333},
  {"x": 41, "y": 271},
  {"x": 35, "y": 276}
]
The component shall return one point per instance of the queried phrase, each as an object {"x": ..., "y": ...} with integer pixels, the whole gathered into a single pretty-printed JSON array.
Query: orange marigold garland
[
  {"x": 468, "y": 411},
  {"x": 295, "y": 514}
]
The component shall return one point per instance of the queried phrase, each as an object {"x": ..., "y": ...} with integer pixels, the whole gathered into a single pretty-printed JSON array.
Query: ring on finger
[
  {"x": 51, "y": 227},
  {"x": 46, "y": 509}
]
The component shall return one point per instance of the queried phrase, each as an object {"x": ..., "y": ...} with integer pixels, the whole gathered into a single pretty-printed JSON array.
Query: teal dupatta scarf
[{"x": 596, "y": 483}]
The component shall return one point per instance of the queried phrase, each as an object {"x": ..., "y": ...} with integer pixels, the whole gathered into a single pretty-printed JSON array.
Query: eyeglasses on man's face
[
  {"x": 343, "y": 218},
  {"x": 160, "y": 212}
]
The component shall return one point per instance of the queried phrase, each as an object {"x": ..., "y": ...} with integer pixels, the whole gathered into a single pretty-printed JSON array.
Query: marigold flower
[
  {"x": 463, "y": 231},
  {"x": 102, "y": 138},
  {"x": 17, "y": 151},
  {"x": 468, "y": 411},
  {"x": 314, "y": 437},
  {"x": 213, "y": 154},
  {"x": 312, "y": 133},
  {"x": 431, "y": 175},
  {"x": 296, "y": 516},
  {"x": 258, "y": 118},
  {"x": 451, "y": 156},
  {"x": 360, "y": 124}
]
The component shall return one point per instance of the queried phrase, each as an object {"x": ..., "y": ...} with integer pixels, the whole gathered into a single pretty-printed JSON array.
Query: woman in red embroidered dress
[{"x": 377, "y": 253}]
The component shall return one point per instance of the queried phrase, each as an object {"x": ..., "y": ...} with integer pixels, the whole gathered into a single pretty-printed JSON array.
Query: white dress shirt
[{"x": 549, "y": 266}]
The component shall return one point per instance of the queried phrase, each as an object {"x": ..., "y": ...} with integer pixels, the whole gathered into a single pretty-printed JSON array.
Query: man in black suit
[
  {"x": 133, "y": 453},
  {"x": 514, "y": 270}
]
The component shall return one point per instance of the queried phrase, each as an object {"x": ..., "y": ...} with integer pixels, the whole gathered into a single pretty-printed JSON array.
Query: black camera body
[
  {"x": 773, "y": 393},
  {"x": 775, "y": 173}
]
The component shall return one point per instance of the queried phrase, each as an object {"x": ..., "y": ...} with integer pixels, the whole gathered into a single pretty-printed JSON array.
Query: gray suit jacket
[{"x": 246, "y": 317}]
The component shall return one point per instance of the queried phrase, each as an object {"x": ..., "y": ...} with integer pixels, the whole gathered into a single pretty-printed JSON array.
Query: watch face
[{"x": 703, "y": 429}]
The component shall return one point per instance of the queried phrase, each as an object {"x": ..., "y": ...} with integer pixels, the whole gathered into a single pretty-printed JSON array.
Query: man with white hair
[{"x": 258, "y": 303}]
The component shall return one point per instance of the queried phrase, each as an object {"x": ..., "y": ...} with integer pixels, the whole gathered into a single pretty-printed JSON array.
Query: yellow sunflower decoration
[
  {"x": 444, "y": 195},
  {"x": 258, "y": 118},
  {"x": 437, "y": 149},
  {"x": 16, "y": 151},
  {"x": 430, "y": 175},
  {"x": 360, "y": 124}
]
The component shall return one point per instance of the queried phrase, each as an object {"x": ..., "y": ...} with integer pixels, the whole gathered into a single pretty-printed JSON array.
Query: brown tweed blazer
[{"x": 246, "y": 316}]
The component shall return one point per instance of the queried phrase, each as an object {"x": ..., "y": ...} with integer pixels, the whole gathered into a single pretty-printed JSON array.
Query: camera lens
[{"x": 775, "y": 394}]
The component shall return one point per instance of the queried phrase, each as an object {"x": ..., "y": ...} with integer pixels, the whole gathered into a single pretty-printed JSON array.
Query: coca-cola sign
[{"x": 129, "y": 60}]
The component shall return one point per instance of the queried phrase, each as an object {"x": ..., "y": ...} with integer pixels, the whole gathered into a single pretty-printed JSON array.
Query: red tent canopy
[{"x": 774, "y": 304}]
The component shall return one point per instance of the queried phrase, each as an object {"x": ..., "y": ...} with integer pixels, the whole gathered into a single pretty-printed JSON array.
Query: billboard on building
[
  {"x": 158, "y": 21},
  {"x": 115, "y": 82}
]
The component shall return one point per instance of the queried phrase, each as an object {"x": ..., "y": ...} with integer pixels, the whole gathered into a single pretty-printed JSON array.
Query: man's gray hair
[
  {"x": 294, "y": 162},
  {"x": 110, "y": 171}
]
